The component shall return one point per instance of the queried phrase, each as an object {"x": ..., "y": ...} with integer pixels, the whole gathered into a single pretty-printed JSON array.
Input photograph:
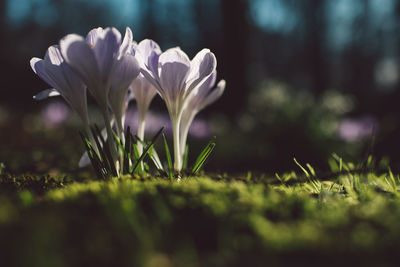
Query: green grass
[{"x": 352, "y": 218}]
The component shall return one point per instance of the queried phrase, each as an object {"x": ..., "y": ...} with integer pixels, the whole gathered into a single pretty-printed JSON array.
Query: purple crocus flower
[
  {"x": 175, "y": 78},
  {"x": 203, "y": 97},
  {"x": 54, "y": 71}
]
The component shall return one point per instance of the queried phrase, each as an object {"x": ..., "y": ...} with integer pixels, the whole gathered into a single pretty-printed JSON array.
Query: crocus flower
[
  {"x": 54, "y": 71},
  {"x": 203, "y": 97},
  {"x": 126, "y": 72},
  {"x": 143, "y": 90},
  {"x": 175, "y": 78},
  {"x": 95, "y": 59}
]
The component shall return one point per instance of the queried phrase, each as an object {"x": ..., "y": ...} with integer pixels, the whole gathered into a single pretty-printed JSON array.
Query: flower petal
[
  {"x": 202, "y": 65},
  {"x": 84, "y": 161},
  {"x": 46, "y": 93},
  {"x": 106, "y": 51},
  {"x": 54, "y": 71},
  {"x": 80, "y": 57},
  {"x": 127, "y": 70},
  {"x": 214, "y": 95},
  {"x": 148, "y": 53},
  {"x": 150, "y": 78},
  {"x": 175, "y": 66},
  {"x": 69, "y": 83},
  {"x": 54, "y": 55},
  {"x": 206, "y": 85},
  {"x": 147, "y": 46},
  {"x": 200, "y": 93},
  {"x": 126, "y": 46},
  {"x": 144, "y": 92},
  {"x": 94, "y": 35},
  {"x": 37, "y": 66}
]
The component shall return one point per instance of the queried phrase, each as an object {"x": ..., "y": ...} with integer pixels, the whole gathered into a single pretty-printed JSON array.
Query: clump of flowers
[{"x": 116, "y": 70}]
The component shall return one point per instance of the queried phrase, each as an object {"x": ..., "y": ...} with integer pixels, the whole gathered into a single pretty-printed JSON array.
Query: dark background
[{"x": 305, "y": 78}]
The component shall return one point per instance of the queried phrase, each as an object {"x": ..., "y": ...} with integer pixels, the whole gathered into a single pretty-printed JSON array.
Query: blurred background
[{"x": 305, "y": 78}]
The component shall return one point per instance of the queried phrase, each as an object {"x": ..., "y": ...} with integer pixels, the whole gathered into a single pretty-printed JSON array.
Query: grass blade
[
  {"x": 169, "y": 160},
  {"x": 106, "y": 151},
  {"x": 147, "y": 148},
  {"x": 100, "y": 146},
  {"x": 153, "y": 156},
  {"x": 201, "y": 159},
  {"x": 301, "y": 167},
  {"x": 94, "y": 159},
  {"x": 127, "y": 150}
]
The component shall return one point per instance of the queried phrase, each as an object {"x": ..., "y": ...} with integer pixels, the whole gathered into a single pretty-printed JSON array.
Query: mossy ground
[{"x": 199, "y": 221}]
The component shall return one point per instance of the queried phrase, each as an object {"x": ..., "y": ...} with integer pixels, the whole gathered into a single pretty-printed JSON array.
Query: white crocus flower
[
  {"x": 204, "y": 96},
  {"x": 95, "y": 59},
  {"x": 54, "y": 71},
  {"x": 175, "y": 78},
  {"x": 143, "y": 90},
  {"x": 65, "y": 82},
  {"x": 126, "y": 72}
]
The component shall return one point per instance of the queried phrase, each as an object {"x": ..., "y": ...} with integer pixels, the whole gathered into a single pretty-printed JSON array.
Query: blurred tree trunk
[
  {"x": 2, "y": 19},
  {"x": 315, "y": 28},
  {"x": 3, "y": 32},
  {"x": 149, "y": 19},
  {"x": 233, "y": 59}
]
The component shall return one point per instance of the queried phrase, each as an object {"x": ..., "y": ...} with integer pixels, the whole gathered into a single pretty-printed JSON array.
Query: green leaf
[
  {"x": 94, "y": 159},
  {"x": 302, "y": 168},
  {"x": 105, "y": 150},
  {"x": 153, "y": 156},
  {"x": 135, "y": 158},
  {"x": 127, "y": 150},
  {"x": 201, "y": 159},
  {"x": 156, "y": 159},
  {"x": 147, "y": 148},
  {"x": 311, "y": 169},
  {"x": 100, "y": 146},
  {"x": 169, "y": 160}
]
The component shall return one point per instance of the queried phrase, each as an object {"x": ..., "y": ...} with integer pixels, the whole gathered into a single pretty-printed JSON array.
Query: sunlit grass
[{"x": 215, "y": 219}]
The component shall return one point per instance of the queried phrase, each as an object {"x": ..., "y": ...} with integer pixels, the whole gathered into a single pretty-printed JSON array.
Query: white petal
[
  {"x": 150, "y": 78},
  {"x": 214, "y": 95},
  {"x": 84, "y": 161},
  {"x": 126, "y": 72},
  {"x": 106, "y": 51},
  {"x": 175, "y": 66},
  {"x": 37, "y": 66},
  {"x": 46, "y": 93},
  {"x": 202, "y": 65},
  {"x": 94, "y": 35},
  {"x": 80, "y": 57},
  {"x": 148, "y": 53},
  {"x": 54, "y": 55},
  {"x": 144, "y": 93},
  {"x": 128, "y": 69},
  {"x": 126, "y": 46}
]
